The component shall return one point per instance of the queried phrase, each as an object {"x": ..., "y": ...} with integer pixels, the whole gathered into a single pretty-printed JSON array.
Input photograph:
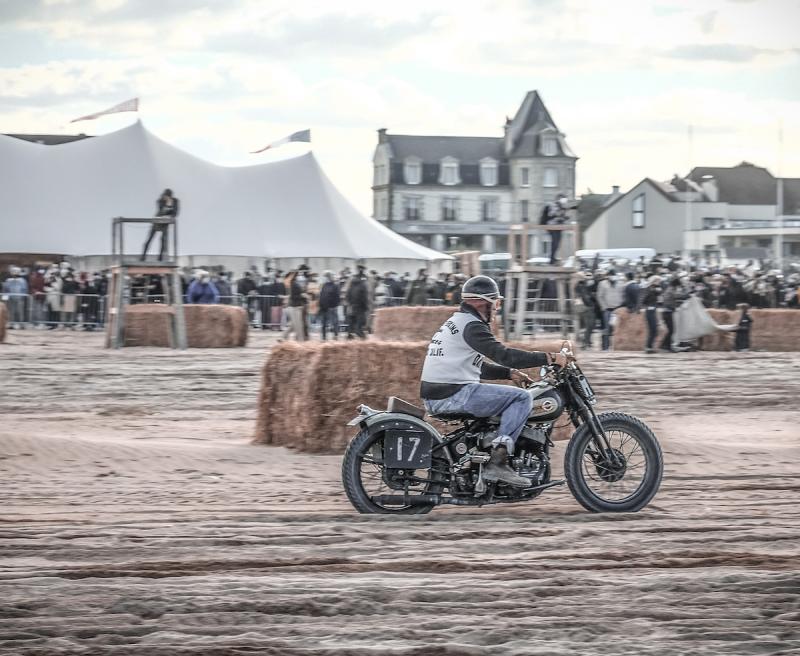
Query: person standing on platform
[
  {"x": 555, "y": 214},
  {"x": 167, "y": 206}
]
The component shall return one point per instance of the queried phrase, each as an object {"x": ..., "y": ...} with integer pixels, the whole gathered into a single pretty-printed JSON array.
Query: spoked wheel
[
  {"x": 364, "y": 477},
  {"x": 623, "y": 478}
]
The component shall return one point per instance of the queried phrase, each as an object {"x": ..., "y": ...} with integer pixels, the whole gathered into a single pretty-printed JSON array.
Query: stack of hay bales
[
  {"x": 207, "y": 326},
  {"x": 773, "y": 330},
  {"x": 310, "y": 390},
  {"x": 3, "y": 321},
  {"x": 410, "y": 323}
]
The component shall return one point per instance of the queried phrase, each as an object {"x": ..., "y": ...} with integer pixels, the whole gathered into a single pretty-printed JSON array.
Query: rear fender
[{"x": 385, "y": 420}]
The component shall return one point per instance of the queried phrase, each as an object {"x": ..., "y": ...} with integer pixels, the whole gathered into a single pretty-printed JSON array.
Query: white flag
[
  {"x": 303, "y": 135},
  {"x": 131, "y": 105}
]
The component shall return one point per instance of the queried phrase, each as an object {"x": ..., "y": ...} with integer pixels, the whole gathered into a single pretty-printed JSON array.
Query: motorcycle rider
[{"x": 455, "y": 365}]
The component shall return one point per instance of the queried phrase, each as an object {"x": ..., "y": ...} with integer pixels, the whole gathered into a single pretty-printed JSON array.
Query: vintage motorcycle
[{"x": 399, "y": 463}]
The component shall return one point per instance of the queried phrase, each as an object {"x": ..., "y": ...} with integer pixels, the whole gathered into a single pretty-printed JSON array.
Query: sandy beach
[{"x": 138, "y": 519}]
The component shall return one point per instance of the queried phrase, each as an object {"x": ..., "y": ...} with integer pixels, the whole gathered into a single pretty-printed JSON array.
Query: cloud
[
  {"x": 707, "y": 22},
  {"x": 720, "y": 52}
]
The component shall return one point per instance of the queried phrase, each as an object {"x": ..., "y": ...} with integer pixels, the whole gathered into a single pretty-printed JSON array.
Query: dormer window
[
  {"x": 488, "y": 172},
  {"x": 412, "y": 171},
  {"x": 549, "y": 146},
  {"x": 449, "y": 171}
]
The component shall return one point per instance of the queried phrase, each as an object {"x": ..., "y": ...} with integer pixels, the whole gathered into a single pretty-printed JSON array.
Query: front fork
[{"x": 589, "y": 416}]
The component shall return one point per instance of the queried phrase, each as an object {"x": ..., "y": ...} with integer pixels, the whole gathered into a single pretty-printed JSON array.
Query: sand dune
[{"x": 137, "y": 519}]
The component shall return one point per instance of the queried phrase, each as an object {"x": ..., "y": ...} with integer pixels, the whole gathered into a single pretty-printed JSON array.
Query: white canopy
[{"x": 61, "y": 199}]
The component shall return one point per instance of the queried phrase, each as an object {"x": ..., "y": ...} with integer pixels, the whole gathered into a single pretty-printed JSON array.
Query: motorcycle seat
[
  {"x": 454, "y": 416},
  {"x": 396, "y": 404}
]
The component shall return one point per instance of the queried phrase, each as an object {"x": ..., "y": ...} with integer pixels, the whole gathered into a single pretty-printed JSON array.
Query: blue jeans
[
  {"x": 484, "y": 400},
  {"x": 330, "y": 318}
]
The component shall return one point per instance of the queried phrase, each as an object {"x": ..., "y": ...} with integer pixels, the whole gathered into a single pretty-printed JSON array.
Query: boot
[{"x": 498, "y": 469}]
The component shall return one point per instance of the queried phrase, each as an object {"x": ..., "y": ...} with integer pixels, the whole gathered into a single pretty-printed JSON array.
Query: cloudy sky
[{"x": 623, "y": 79}]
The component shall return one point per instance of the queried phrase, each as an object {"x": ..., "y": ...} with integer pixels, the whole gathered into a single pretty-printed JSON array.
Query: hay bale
[
  {"x": 3, "y": 321},
  {"x": 215, "y": 326},
  {"x": 309, "y": 390},
  {"x": 773, "y": 330},
  {"x": 147, "y": 325},
  {"x": 207, "y": 326},
  {"x": 410, "y": 323}
]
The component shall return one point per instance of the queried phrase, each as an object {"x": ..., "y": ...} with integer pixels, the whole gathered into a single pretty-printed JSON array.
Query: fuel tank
[{"x": 547, "y": 402}]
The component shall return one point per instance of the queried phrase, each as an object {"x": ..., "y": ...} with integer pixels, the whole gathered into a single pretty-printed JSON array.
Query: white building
[
  {"x": 722, "y": 214},
  {"x": 462, "y": 193}
]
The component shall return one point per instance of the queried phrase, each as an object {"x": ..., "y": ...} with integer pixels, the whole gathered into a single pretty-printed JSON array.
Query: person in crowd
[
  {"x": 357, "y": 306},
  {"x": 418, "y": 292},
  {"x": 555, "y": 214},
  {"x": 585, "y": 294},
  {"x": 52, "y": 290},
  {"x": 609, "y": 298},
  {"x": 295, "y": 309},
  {"x": 630, "y": 293},
  {"x": 167, "y": 206},
  {"x": 650, "y": 298},
  {"x": 329, "y": 300},
  {"x": 671, "y": 300},
  {"x": 312, "y": 293},
  {"x": 224, "y": 290},
  {"x": 201, "y": 290},
  {"x": 396, "y": 293},
  {"x": 69, "y": 300},
  {"x": 38, "y": 297},
  {"x": 246, "y": 289},
  {"x": 87, "y": 301},
  {"x": 745, "y": 324},
  {"x": 15, "y": 291}
]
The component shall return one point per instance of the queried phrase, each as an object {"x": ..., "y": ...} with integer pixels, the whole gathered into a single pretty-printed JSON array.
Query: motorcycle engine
[{"x": 532, "y": 466}]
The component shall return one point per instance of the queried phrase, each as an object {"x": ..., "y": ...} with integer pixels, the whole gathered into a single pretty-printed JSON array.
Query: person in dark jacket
[
  {"x": 670, "y": 301},
  {"x": 395, "y": 288},
  {"x": 329, "y": 300},
  {"x": 630, "y": 294},
  {"x": 223, "y": 288},
  {"x": 418, "y": 292},
  {"x": 742, "y": 339},
  {"x": 246, "y": 289},
  {"x": 167, "y": 206},
  {"x": 357, "y": 306},
  {"x": 202, "y": 290},
  {"x": 649, "y": 299},
  {"x": 295, "y": 311},
  {"x": 585, "y": 292}
]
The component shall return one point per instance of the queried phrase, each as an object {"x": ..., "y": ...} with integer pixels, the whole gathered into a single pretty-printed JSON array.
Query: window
[
  {"x": 550, "y": 178},
  {"x": 449, "y": 171},
  {"x": 449, "y": 209},
  {"x": 638, "y": 211},
  {"x": 524, "y": 177},
  {"x": 549, "y": 146},
  {"x": 412, "y": 208},
  {"x": 489, "y": 209},
  {"x": 381, "y": 174},
  {"x": 413, "y": 171},
  {"x": 488, "y": 172},
  {"x": 523, "y": 211},
  {"x": 713, "y": 223}
]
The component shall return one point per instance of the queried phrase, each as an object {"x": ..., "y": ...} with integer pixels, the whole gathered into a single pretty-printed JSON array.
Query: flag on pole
[
  {"x": 303, "y": 135},
  {"x": 131, "y": 105}
]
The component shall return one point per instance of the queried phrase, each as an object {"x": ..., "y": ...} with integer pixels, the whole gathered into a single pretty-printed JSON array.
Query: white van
[{"x": 606, "y": 254}]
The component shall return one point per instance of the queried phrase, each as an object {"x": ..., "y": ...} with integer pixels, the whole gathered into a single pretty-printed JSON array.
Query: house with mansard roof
[{"x": 462, "y": 193}]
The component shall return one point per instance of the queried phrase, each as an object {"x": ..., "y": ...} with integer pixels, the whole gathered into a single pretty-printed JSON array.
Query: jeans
[
  {"x": 608, "y": 329},
  {"x": 666, "y": 317},
  {"x": 329, "y": 319},
  {"x": 555, "y": 242},
  {"x": 162, "y": 230},
  {"x": 652, "y": 326},
  {"x": 589, "y": 318},
  {"x": 513, "y": 404}
]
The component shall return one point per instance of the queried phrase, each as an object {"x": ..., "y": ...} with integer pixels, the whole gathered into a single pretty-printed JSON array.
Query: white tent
[{"x": 60, "y": 199}]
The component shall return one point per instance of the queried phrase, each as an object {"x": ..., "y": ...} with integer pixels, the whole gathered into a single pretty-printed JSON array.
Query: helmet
[{"x": 482, "y": 287}]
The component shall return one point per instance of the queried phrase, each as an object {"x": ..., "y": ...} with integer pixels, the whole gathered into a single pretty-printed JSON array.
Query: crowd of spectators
[
  {"x": 658, "y": 286},
  {"x": 56, "y": 296}
]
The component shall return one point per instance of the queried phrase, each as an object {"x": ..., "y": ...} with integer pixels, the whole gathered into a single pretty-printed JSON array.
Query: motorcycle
[{"x": 398, "y": 463}]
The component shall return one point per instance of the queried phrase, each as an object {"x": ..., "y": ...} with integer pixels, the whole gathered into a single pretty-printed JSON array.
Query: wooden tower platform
[{"x": 127, "y": 267}]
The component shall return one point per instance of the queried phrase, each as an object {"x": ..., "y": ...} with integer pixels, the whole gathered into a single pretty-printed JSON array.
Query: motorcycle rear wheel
[
  {"x": 356, "y": 464},
  {"x": 600, "y": 486}
]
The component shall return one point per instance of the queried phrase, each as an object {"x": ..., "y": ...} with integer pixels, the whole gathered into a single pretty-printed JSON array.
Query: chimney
[
  {"x": 382, "y": 135},
  {"x": 615, "y": 190},
  {"x": 710, "y": 188}
]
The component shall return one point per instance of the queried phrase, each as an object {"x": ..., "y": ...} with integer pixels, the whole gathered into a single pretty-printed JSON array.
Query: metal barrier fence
[{"x": 88, "y": 311}]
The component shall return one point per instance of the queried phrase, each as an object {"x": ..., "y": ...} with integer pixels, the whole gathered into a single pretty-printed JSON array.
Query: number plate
[{"x": 405, "y": 449}]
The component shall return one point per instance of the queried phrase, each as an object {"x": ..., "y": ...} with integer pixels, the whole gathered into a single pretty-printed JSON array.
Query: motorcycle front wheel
[
  {"x": 365, "y": 478},
  {"x": 623, "y": 480}
]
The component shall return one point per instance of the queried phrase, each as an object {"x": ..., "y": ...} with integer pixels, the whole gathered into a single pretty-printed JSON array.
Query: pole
[
  {"x": 779, "y": 199},
  {"x": 688, "y": 210}
]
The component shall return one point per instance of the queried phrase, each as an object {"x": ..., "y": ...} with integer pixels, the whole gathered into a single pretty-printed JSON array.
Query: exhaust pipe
[{"x": 418, "y": 500}]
